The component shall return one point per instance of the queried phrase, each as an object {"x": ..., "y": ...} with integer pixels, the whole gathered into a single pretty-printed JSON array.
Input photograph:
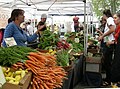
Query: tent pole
[{"x": 85, "y": 30}]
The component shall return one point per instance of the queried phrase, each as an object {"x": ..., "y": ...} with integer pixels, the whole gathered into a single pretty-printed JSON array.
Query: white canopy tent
[
  {"x": 52, "y": 7},
  {"x": 59, "y": 7}
]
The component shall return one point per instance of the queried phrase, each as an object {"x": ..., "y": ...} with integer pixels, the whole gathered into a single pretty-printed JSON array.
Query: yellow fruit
[
  {"x": 26, "y": 71},
  {"x": 48, "y": 53},
  {"x": 50, "y": 50},
  {"x": 17, "y": 78},
  {"x": 18, "y": 72},
  {"x": 9, "y": 74},
  {"x": 20, "y": 69},
  {"x": 8, "y": 69},
  {"x": 22, "y": 73},
  {"x": 12, "y": 75},
  {"x": 53, "y": 52},
  {"x": 9, "y": 78},
  {"x": 5, "y": 74},
  {"x": 114, "y": 86},
  {"x": 11, "y": 81}
]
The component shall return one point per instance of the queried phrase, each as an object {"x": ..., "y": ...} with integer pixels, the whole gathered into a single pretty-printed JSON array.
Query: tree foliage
[{"x": 100, "y": 5}]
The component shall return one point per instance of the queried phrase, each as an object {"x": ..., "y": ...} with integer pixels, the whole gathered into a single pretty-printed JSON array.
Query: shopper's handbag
[{"x": 93, "y": 79}]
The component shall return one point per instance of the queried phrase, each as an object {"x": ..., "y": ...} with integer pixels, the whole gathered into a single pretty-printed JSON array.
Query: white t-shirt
[
  {"x": 110, "y": 37},
  {"x": 72, "y": 28},
  {"x": 30, "y": 30}
]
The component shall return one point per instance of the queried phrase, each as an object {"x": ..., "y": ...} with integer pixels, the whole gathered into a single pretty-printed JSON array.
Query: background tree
[{"x": 100, "y": 5}]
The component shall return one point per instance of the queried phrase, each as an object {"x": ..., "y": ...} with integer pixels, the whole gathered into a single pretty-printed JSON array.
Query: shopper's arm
[
  {"x": 111, "y": 30},
  {"x": 100, "y": 32}
]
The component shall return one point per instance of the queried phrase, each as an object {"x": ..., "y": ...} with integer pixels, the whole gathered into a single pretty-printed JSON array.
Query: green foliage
[
  {"x": 11, "y": 55},
  {"x": 77, "y": 47},
  {"x": 100, "y": 5},
  {"x": 63, "y": 58},
  {"x": 48, "y": 39}
]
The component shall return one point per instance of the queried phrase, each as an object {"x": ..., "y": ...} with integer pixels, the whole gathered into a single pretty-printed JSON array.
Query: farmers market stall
[
  {"x": 17, "y": 62},
  {"x": 52, "y": 65}
]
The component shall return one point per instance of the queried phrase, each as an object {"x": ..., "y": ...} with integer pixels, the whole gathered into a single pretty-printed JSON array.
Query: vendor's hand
[{"x": 41, "y": 27}]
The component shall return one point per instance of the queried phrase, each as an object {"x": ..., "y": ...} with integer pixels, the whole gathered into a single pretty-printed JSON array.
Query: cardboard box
[
  {"x": 93, "y": 64},
  {"x": 23, "y": 84}
]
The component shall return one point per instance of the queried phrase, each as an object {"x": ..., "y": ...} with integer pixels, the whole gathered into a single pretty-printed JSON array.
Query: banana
[
  {"x": 9, "y": 78},
  {"x": 8, "y": 69},
  {"x": 11, "y": 81},
  {"x": 22, "y": 73},
  {"x": 17, "y": 78},
  {"x": 9, "y": 74},
  {"x": 18, "y": 72}
]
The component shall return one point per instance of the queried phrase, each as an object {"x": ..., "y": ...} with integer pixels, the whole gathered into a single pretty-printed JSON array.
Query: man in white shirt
[{"x": 30, "y": 29}]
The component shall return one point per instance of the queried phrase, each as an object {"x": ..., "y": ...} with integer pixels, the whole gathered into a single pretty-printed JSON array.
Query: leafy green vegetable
[
  {"x": 63, "y": 58},
  {"x": 11, "y": 55},
  {"x": 48, "y": 39}
]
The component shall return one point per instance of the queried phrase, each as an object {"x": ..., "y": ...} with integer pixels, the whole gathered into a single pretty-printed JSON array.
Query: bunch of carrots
[
  {"x": 18, "y": 65},
  {"x": 46, "y": 73}
]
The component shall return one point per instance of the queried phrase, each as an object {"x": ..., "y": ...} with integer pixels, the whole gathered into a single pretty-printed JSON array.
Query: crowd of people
[{"x": 109, "y": 35}]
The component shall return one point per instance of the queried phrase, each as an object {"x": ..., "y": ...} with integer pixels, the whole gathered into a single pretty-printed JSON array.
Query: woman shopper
[
  {"x": 115, "y": 70},
  {"x": 100, "y": 30},
  {"x": 13, "y": 29},
  {"x": 108, "y": 38}
]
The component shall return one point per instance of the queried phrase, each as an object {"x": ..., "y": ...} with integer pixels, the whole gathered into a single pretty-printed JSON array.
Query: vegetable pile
[
  {"x": 63, "y": 45},
  {"x": 13, "y": 77},
  {"x": 46, "y": 74},
  {"x": 63, "y": 58},
  {"x": 11, "y": 55},
  {"x": 48, "y": 40}
]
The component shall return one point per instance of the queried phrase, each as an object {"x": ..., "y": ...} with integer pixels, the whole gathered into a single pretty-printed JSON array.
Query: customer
[
  {"x": 76, "y": 24},
  {"x": 115, "y": 71},
  {"x": 1, "y": 35},
  {"x": 13, "y": 29},
  {"x": 100, "y": 30},
  {"x": 30, "y": 29},
  {"x": 108, "y": 38},
  {"x": 9, "y": 20}
]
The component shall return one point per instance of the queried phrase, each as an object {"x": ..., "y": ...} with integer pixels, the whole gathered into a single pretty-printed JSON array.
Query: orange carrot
[
  {"x": 39, "y": 57},
  {"x": 34, "y": 82},
  {"x": 46, "y": 87},
  {"x": 31, "y": 68},
  {"x": 30, "y": 58},
  {"x": 41, "y": 86},
  {"x": 33, "y": 86},
  {"x": 32, "y": 63},
  {"x": 49, "y": 84},
  {"x": 20, "y": 63},
  {"x": 44, "y": 78}
]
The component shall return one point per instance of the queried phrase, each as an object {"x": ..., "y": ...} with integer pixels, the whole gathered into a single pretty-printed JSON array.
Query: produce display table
[
  {"x": 33, "y": 45},
  {"x": 93, "y": 64},
  {"x": 76, "y": 74}
]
